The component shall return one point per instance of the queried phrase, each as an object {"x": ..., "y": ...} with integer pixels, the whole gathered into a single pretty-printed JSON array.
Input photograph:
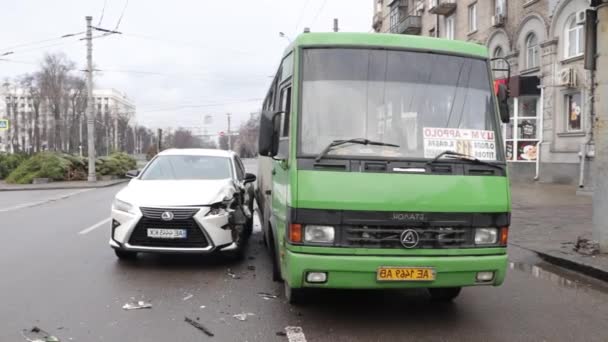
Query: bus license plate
[
  {"x": 167, "y": 233},
  {"x": 405, "y": 274}
]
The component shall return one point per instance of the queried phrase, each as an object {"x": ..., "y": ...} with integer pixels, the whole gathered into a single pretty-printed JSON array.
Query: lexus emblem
[
  {"x": 167, "y": 216},
  {"x": 409, "y": 238}
]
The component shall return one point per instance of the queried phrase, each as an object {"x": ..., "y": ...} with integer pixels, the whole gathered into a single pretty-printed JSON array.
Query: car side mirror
[
  {"x": 250, "y": 178},
  {"x": 503, "y": 103},
  {"x": 268, "y": 139},
  {"x": 132, "y": 173}
]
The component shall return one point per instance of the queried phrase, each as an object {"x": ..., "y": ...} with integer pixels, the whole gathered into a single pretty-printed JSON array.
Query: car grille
[
  {"x": 390, "y": 237},
  {"x": 195, "y": 236},
  {"x": 178, "y": 213}
]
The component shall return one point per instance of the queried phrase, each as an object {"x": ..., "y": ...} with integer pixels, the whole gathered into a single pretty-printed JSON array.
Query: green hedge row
[
  {"x": 9, "y": 162},
  {"x": 66, "y": 167}
]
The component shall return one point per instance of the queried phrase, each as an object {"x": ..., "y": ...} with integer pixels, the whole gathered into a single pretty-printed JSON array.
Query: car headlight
[
  {"x": 486, "y": 236},
  {"x": 319, "y": 234},
  {"x": 123, "y": 206}
]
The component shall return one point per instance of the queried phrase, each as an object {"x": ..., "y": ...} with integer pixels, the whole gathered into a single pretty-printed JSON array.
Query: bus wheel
[
  {"x": 274, "y": 255},
  {"x": 293, "y": 296},
  {"x": 444, "y": 294}
]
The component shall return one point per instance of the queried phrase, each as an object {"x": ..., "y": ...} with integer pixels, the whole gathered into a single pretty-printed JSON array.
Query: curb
[
  {"x": 586, "y": 269},
  {"x": 65, "y": 187}
]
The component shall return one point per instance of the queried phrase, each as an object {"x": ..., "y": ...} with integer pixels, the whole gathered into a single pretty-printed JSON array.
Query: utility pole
[
  {"x": 600, "y": 134},
  {"x": 229, "y": 133},
  {"x": 160, "y": 140},
  {"x": 336, "y": 29},
  {"x": 92, "y": 177}
]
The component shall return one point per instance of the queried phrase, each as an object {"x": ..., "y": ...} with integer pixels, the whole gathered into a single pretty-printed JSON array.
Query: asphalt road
[{"x": 70, "y": 284}]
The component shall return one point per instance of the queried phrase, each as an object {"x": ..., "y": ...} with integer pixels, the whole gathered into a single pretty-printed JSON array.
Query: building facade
[
  {"x": 27, "y": 113},
  {"x": 543, "y": 41}
]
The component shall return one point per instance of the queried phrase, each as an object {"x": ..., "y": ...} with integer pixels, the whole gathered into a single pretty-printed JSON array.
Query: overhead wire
[
  {"x": 316, "y": 17},
  {"x": 103, "y": 11},
  {"x": 38, "y": 42},
  {"x": 121, "y": 15},
  {"x": 301, "y": 15}
]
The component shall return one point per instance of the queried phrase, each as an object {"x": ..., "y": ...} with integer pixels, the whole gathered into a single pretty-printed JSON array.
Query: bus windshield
[{"x": 425, "y": 103}]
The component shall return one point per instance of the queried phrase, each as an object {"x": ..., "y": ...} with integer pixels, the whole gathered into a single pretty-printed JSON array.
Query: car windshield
[
  {"x": 424, "y": 102},
  {"x": 187, "y": 167}
]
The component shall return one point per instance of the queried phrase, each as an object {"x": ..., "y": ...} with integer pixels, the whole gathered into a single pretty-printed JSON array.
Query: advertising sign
[
  {"x": 477, "y": 143},
  {"x": 3, "y": 124}
]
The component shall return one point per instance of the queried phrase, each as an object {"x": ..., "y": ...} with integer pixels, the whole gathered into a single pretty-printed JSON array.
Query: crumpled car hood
[{"x": 159, "y": 193}]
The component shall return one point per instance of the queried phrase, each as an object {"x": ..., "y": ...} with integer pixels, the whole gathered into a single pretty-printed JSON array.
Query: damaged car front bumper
[{"x": 202, "y": 229}]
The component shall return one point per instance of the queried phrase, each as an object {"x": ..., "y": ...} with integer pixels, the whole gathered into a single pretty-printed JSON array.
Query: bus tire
[
  {"x": 274, "y": 255},
  {"x": 294, "y": 296},
  {"x": 444, "y": 294}
]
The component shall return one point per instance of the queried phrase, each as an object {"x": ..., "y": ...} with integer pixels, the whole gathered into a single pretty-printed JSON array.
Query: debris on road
[
  {"x": 38, "y": 335},
  {"x": 203, "y": 306},
  {"x": 243, "y": 316},
  {"x": 586, "y": 246},
  {"x": 232, "y": 274},
  {"x": 188, "y": 296},
  {"x": 281, "y": 333},
  {"x": 251, "y": 268},
  {"x": 199, "y": 326},
  {"x": 136, "y": 306},
  {"x": 295, "y": 334},
  {"x": 267, "y": 296}
]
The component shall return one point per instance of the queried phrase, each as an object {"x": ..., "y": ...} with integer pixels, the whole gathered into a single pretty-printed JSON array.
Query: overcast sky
[{"x": 177, "y": 60}]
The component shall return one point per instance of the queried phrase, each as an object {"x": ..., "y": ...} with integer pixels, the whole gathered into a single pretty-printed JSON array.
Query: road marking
[
  {"x": 95, "y": 226},
  {"x": 52, "y": 199},
  {"x": 295, "y": 334}
]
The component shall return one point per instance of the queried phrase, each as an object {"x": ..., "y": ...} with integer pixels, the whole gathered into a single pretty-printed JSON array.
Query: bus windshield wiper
[
  {"x": 361, "y": 141},
  {"x": 462, "y": 156}
]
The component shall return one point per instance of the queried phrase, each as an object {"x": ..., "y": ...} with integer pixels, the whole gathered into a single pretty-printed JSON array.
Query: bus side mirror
[
  {"x": 268, "y": 140},
  {"x": 503, "y": 103}
]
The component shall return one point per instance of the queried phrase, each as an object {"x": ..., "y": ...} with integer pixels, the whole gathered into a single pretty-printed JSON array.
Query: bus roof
[{"x": 389, "y": 41}]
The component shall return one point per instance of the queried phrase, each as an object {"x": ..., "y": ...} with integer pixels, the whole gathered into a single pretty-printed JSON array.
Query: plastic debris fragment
[
  {"x": 243, "y": 316},
  {"x": 199, "y": 326},
  {"x": 137, "y": 305}
]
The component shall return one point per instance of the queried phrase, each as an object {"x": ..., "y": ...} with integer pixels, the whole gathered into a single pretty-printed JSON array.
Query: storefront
[{"x": 523, "y": 133}]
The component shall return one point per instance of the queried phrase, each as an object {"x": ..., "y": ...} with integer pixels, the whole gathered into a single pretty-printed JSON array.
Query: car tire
[
  {"x": 294, "y": 296},
  {"x": 444, "y": 294},
  {"x": 125, "y": 255}
]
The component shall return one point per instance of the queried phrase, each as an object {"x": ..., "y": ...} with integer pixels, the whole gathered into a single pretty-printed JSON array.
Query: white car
[{"x": 184, "y": 201}]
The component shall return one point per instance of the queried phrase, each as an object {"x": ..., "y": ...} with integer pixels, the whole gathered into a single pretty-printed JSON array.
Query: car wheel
[
  {"x": 125, "y": 255},
  {"x": 294, "y": 296},
  {"x": 444, "y": 294}
]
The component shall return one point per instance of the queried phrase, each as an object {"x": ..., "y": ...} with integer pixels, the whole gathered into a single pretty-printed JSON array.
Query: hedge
[
  {"x": 9, "y": 162},
  {"x": 66, "y": 167}
]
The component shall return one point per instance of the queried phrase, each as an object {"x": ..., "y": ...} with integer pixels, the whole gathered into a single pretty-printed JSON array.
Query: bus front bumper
[{"x": 359, "y": 272}]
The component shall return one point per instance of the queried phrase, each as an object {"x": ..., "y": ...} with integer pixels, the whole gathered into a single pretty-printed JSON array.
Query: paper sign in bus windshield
[
  {"x": 3, "y": 124},
  {"x": 480, "y": 144}
]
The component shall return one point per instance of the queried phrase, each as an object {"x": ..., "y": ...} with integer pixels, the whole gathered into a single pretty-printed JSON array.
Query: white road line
[
  {"x": 95, "y": 226},
  {"x": 33, "y": 204},
  {"x": 295, "y": 334}
]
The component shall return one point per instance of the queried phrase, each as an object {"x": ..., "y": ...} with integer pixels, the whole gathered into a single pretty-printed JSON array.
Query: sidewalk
[
  {"x": 548, "y": 219},
  {"x": 60, "y": 185}
]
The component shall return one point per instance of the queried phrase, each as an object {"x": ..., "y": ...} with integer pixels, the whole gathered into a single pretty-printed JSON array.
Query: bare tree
[
  {"x": 246, "y": 145},
  {"x": 54, "y": 84},
  {"x": 77, "y": 100},
  {"x": 30, "y": 83}
]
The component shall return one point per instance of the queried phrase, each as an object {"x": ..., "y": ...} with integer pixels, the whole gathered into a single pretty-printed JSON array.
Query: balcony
[
  {"x": 412, "y": 24},
  {"x": 377, "y": 23},
  {"x": 442, "y": 7}
]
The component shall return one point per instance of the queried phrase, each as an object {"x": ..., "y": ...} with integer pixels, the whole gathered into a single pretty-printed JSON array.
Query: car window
[
  {"x": 185, "y": 167},
  {"x": 240, "y": 169}
]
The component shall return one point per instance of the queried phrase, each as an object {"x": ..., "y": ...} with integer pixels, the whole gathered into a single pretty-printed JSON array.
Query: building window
[
  {"x": 532, "y": 58},
  {"x": 394, "y": 18},
  {"x": 573, "y": 39},
  {"x": 449, "y": 27},
  {"x": 379, "y": 6},
  {"x": 574, "y": 111},
  {"x": 522, "y": 131},
  {"x": 473, "y": 17}
]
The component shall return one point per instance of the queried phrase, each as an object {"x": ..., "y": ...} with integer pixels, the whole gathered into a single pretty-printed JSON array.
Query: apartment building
[
  {"x": 18, "y": 106},
  {"x": 552, "y": 94}
]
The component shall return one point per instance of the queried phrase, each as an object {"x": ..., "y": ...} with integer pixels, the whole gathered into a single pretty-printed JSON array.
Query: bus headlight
[
  {"x": 486, "y": 236},
  {"x": 319, "y": 234}
]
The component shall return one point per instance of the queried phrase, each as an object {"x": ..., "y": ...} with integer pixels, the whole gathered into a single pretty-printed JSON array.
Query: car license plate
[
  {"x": 158, "y": 233},
  {"x": 405, "y": 274}
]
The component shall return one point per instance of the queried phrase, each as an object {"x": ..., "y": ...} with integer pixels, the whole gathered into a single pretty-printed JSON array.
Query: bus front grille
[{"x": 390, "y": 237}]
